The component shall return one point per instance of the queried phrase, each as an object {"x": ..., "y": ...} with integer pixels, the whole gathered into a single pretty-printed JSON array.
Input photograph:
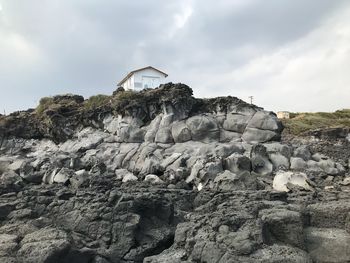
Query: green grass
[
  {"x": 44, "y": 104},
  {"x": 97, "y": 101},
  {"x": 303, "y": 122},
  {"x": 126, "y": 99}
]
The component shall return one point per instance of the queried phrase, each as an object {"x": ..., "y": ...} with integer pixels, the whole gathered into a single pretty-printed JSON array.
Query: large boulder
[
  {"x": 263, "y": 127},
  {"x": 203, "y": 128},
  {"x": 164, "y": 135},
  {"x": 86, "y": 139},
  {"x": 44, "y": 245},
  {"x": 265, "y": 120},
  {"x": 282, "y": 225},
  {"x": 261, "y": 164},
  {"x": 328, "y": 244},
  {"x": 236, "y": 122},
  {"x": 237, "y": 163},
  {"x": 298, "y": 164},
  {"x": 180, "y": 132},
  {"x": 285, "y": 181},
  {"x": 303, "y": 152},
  {"x": 229, "y": 181}
]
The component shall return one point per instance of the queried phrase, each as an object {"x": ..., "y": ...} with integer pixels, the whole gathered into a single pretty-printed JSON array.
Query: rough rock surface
[{"x": 165, "y": 177}]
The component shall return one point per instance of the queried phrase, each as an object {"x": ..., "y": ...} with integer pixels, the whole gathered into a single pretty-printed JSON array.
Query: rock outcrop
[
  {"x": 164, "y": 115},
  {"x": 160, "y": 176}
]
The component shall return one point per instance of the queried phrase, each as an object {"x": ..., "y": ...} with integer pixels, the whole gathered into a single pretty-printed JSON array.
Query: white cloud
[
  {"x": 278, "y": 52},
  {"x": 181, "y": 17},
  {"x": 310, "y": 74},
  {"x": 17, "y": 52}
]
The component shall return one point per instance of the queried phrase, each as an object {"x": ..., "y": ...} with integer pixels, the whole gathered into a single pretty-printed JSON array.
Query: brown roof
[{"x": 137, "y": 70}]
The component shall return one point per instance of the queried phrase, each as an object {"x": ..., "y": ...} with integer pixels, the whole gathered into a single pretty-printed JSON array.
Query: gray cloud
[{"x": 85, "y": 47}]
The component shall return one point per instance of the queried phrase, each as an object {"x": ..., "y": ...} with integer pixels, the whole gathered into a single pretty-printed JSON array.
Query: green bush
[
  {"x": 97, "y": 101},
  {"x": 126, "y": 99},
  {"x": 126, "y": 95},
  {"x": 44, "y": 104}
]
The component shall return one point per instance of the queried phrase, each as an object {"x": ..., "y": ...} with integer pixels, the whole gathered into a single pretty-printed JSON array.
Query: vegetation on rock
[
  {"x": 303, "y": 122},
  {"x": 96, "y": 101}
]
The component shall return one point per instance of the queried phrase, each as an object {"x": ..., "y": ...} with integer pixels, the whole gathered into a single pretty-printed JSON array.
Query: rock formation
[{"x": 161, "y": 176}]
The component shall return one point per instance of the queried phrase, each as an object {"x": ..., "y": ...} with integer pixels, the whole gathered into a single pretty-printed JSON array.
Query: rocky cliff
[{"x": 161, "y": 176}]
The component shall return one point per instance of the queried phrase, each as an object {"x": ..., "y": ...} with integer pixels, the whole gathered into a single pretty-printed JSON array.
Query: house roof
[{"x": 137, "y": 70}]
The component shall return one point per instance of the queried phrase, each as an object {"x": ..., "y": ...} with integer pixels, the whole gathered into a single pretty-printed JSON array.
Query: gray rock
[
  {"x": 167, "y": 256},
  {"x": 28, "y": 173},
  {"x": 129, "y": 177},
  {"x": 281, "y": 253},
  {"x": 8, "y": 246},
  {"x": 44, "y": 245},
  {"x": 206, "y": 252},
  {"x": 279, "y": 161},
  {"x": 277, "y": 147},
  {"x": 228, "y": 136},
  {"x": 80, "y": 178},
  {"x": 49, "y": 176},
  {"x": 254, "y": 135},
  {"x": 229, "y": 181},
  {"x": 260, "y": 160},
  {"x": 241, "y": 242},
  {"x": 282, "y": 225},
  {"x": 313, "y": 166},
  {"x": 265, "y": 120},
  {"x": 137, "y": 135},
  {"x": 154, "y": 179},
  {"x": 152, "y": 129},
  {"x": 164, "y": 136},
  {"x": 170, "y": 160},
  {"x": 236, "y": 122},
  {"x": 9, "y": 181},
  {"x": 209, "y": 171},
  {"x": 225, "y": 150},
  {"x": 151, "y": 165},
  {"x": 16, "y": 165},
  {"x": 328, "y": 244},
  {"x": 180, "y": 132},
  {"x": 318, "y": 157},
  {"x": 297, "y": 164},
  {"x": 87, "y": 139},
  {"x": 332, "y": 214},
  {"x": 203, "y": 128},
  {"x": 63, "y": 176},
  {"x": 199, "y": 165},
  {"x": 283, "y": 181},
  {"x": 303, "y": 152},
  {"x": 237, "y": 163},
  {"x": 328, "y": 166}
]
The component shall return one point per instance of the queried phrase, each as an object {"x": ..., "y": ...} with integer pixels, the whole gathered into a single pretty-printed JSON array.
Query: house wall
[
  {"x": 148, "y": 78},
  {"x": 283, "y": 115},
  {"x": 129, "y": 83}
]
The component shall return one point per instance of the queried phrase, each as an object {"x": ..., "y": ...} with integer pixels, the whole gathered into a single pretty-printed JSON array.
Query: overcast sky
[{"x": 289, "y": 54}]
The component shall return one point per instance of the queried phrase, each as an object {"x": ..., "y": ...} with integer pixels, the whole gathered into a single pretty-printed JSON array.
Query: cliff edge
[{"x": 161, "y": 176}]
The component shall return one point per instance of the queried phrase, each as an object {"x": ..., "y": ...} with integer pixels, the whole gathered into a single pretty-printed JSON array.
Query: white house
[
  {"x": 143, "y": 78},
  {"x": 283, "y": 115}
]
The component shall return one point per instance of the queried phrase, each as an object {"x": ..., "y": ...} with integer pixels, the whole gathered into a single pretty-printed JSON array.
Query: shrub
[
  {"x": 126, "y": 99},
  {"x": 126, "y": 95},
  {"x": 97, "y": 101},
  {"x": 44, "y": 104}
]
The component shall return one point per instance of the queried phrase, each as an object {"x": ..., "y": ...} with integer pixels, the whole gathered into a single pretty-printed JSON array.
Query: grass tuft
[{"x": 303, "y": 122}]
